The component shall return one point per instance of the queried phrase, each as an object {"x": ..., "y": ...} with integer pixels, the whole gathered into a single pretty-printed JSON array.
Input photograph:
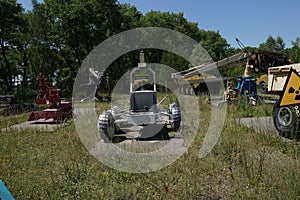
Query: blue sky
[{"x": 250, "y": 21}]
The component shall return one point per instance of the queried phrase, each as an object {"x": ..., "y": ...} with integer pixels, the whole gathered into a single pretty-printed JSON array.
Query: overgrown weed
[{"x": 243, "y": 165}]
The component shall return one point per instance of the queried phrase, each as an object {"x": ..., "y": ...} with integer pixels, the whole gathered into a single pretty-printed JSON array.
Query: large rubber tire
[
  {"x": 191, "y": 91},
  {"x": 108, "y": 133},
  {"x": 263, "y": 87},
  {"x": 175, "y": 126},
  {"x": 181, "y": 90},
  {"x": 284, "y": 120},
  {"x": 186, "y": 91}
]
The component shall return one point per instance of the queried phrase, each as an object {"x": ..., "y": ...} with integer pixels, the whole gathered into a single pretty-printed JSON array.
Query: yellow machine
[
  {"x": 195, "y": 79},
  {"x": 192, "y": 81},
  {"x": 285, "y": 81},
  {"x": 265, "y": 61}
]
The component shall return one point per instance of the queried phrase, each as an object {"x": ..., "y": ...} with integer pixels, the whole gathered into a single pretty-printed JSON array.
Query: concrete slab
[
  {"x": 132, "y": 145},
  {"x": 35, "y": 125},
  {"x": 259, "y": 124}
]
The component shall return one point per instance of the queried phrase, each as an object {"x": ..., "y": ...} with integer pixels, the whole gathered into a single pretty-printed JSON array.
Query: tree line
[{"x": 55, "y": 37}]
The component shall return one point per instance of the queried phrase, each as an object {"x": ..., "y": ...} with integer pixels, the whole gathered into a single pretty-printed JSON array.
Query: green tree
[
  {"x": 43, "y": 56},
  {"x": 131, "y": 17},
  {"x": 273, "y": 45},
  {"x": 294, "y": 52},
  {"x": 296, "y": 43},
  {"x": 56, "y": 36},
  {"x": 211, "y": 41},
  {"x": 215, "y": 45},
  {"x": 64, "y": 32},
  {"x": 280, "y": 45},
  {"x": 172, "y": 21},
  {"x": 10, "y": 31}
]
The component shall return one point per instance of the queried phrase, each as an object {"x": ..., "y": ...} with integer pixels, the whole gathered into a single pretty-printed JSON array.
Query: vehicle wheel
[
  {"x": 191, "y": 91},
  {"x": 108, "y": 128},
  {"x": 263, "y": 87},
  {"x": 175, "y": 115},
  {"x": 186, "y": 91},
  {"x": 175, "y": 125},
  {"x": 181, "y": 90},
  {"x": 284, "y": 119}
]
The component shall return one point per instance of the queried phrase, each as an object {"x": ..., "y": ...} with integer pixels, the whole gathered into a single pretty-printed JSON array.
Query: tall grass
[{"x": 243, "y": 165}]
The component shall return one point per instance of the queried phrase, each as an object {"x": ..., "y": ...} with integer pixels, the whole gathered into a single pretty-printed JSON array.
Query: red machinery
[{"x": 57, "y": 111}]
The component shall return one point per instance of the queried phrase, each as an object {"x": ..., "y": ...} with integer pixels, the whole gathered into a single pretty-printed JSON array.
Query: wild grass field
[{"x": 243, "y": 165}]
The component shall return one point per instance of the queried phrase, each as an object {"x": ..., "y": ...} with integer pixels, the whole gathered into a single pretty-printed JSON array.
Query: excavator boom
[{"x": 204, "y": 68}]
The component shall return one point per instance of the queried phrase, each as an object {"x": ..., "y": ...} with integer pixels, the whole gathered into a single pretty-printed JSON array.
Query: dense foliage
[{"x": 55, "y": 37}]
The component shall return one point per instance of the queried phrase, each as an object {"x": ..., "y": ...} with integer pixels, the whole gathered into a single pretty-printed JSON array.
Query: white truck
[{"x": 287, "y": 118}]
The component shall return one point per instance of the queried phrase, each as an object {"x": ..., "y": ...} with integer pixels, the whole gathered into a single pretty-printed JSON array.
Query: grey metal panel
[{"x": 142, "y": 101}]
